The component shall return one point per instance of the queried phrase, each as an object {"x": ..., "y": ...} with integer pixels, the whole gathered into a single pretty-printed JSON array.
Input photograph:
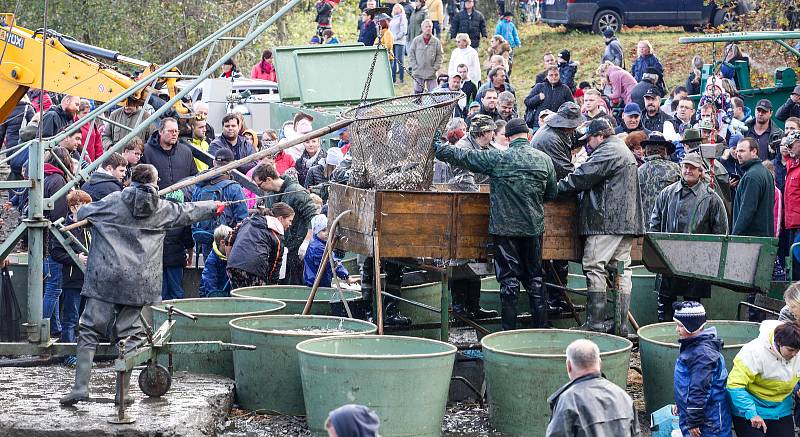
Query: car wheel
[{"x": 607, "y": 19}]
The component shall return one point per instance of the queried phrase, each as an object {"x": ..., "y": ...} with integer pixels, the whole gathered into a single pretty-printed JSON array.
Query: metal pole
[{"x": 36, "y": 329}]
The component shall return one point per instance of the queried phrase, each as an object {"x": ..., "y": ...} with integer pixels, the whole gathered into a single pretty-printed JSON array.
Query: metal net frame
[{"x": 392, "y": 140}]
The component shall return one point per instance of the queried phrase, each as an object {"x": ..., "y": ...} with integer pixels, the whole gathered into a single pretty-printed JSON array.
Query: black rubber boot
[
  {"x": 473, "y": 301},
  {"x": 83, "y": 372},
  {"x": 539, "y": 307},
  {"x": 625, "y": 306},
  {"x": 665, "y": 311},
  {"x": 596, "y": 313},
  {"x": 393, "y": 317},
  {"x": 459, "y": 298},
  {"x": 508, "y": 315}
]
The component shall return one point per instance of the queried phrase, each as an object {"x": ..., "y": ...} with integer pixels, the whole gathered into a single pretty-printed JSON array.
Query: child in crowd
[
  {"x": 700, "y": 375},
  {"x": 313, "y": 256},
  {"x": 178, "y": 250},
  {"x": 214, "y": 282}
]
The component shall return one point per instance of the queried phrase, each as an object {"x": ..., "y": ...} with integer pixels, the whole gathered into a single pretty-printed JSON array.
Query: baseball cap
[
  {"x": 632, "y": 109},
  {"x": 595, "y": 126},
  {"x": 693, "y": 159},
  {"x": 764, "y": 104},
  {"x": 653, "y": 92},
  {"x": 481, "y": 123},
  {"x": 224, "y": 155}
]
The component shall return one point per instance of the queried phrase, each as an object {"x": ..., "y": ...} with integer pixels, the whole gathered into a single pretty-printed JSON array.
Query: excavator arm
[{"x": 70, "y": 67}]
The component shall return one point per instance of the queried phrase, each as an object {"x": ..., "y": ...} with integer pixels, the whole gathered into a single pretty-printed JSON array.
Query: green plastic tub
[
  {"x": 213, "y": 315},
  {"x": 524, "y": 367},
  {"x": 404, "y": 379},
  {"x": 296, "y": 296},
  {"x": 644, "y": 298},
  {"x": 659, "y": 348},
  {"x": 268, "y": 378}
]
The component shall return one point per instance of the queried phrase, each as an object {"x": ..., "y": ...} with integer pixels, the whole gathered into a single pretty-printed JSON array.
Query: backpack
[{"x": 203, "y": 231}]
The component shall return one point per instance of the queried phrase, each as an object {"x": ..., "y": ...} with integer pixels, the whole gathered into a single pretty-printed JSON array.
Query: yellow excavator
[{"x": 70, "y": 67}]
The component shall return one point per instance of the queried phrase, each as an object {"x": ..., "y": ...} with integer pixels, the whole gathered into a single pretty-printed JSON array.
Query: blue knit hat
[{"x": 690, "y": 314}]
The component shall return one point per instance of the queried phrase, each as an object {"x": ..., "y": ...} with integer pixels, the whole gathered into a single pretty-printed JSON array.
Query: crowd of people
[{"x": 625, "y": 146}]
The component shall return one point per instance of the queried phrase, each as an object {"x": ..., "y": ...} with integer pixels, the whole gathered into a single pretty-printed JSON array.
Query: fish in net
[{"x": 391, "y": 141}]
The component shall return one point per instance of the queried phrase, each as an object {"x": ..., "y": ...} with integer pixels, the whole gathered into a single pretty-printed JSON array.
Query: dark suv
[{"x": 613, "y": 14}]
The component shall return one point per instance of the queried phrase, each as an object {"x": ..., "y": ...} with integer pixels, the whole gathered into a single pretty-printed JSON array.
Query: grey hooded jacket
[
  {"x": 128, "y": 227},
  {"x": 608, "y": 182}
]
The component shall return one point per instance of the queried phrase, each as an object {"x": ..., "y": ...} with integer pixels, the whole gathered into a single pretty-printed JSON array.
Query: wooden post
[
  {"x": 376, "y": 256},
  {"x": 444, "y": 313}
]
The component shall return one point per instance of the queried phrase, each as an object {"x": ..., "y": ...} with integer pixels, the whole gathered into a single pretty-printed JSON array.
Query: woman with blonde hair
[
  {"x": 619, "y": 81},
  {"x": 465, "y": 54}
]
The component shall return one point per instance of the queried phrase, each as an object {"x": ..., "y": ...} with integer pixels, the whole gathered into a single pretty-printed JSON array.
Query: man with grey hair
[
  {"x": 201, "y": 112},
  {"x": 590, "y": 405},
  {"x": 506, "y": 106},
  {"x": 425, "y": 58}
]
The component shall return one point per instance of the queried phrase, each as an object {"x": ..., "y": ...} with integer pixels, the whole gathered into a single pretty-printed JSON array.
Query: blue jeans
[
  {"x": 70, "y": 314},
  {"x": 172, "y": 284},
  {"x": 52, "y": 291},
  {"x": 399, "y": 51}
]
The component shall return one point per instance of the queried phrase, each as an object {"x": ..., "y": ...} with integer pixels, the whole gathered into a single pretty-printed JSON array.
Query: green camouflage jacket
[
  {"x": 655, "y": 174},
  {"x": 520, "y": 178}
]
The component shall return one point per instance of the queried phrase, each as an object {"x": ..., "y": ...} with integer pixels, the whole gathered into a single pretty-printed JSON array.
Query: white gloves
[{"x": 302, "y": 250}]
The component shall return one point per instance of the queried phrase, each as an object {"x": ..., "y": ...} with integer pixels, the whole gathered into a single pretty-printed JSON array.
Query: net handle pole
[{"x": 239, "y": 162}]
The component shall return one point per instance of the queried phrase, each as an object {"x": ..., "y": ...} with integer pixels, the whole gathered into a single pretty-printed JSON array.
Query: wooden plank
[
  {"x": 352, "y": 241},
  {"x": 361, "y": 202},
  {"x": 429, "y": 224}
]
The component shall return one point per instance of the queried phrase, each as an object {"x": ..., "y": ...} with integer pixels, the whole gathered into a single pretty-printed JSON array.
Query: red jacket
[
  {"x": 791, "y": 195},
  {"x": 283, "y": 162},
  {"x": 95, "y": 146}
]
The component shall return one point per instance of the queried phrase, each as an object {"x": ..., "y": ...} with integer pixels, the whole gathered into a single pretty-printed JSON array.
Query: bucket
[
  {"x": 213, "y": 315},
  {"x": 268, "y": 378},
  {"x": 404, "y": 379},
  {"x": 296, "y": 296},
  {"x": 524, "y": 367},
  {"x": 659, "y": 349}
]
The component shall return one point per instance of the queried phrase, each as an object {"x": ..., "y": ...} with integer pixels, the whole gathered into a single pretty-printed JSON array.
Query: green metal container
[
  {"x": 659, "y": 349},
  {"x": 296, "y": 296},
  {"x": 724, "y": 303},
  {"x": 213, "y": 315},
  {"x": 524, "y": 367},
  {"x": 268, "y": 378},
  {"x": 644, "y": 298},
  {"x": 404, "y": 379}
]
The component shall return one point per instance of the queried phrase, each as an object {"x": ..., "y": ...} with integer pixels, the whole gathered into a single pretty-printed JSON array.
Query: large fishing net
[{"x": 392, "y": 140}]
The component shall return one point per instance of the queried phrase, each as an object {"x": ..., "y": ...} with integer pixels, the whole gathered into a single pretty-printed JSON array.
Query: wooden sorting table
[{"x": 440, "y": 224}]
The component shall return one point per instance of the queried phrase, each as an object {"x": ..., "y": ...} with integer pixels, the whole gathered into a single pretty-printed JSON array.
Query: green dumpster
[
  {"x": 659, "y": 348},
  {"x": 404, "y": 379},
  {"x": 524, "y": 367},
  {"x": 268, "y": 378}
]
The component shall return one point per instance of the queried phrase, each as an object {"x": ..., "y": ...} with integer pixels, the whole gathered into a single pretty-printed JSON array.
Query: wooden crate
[{"x": 439, "y": 224}]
